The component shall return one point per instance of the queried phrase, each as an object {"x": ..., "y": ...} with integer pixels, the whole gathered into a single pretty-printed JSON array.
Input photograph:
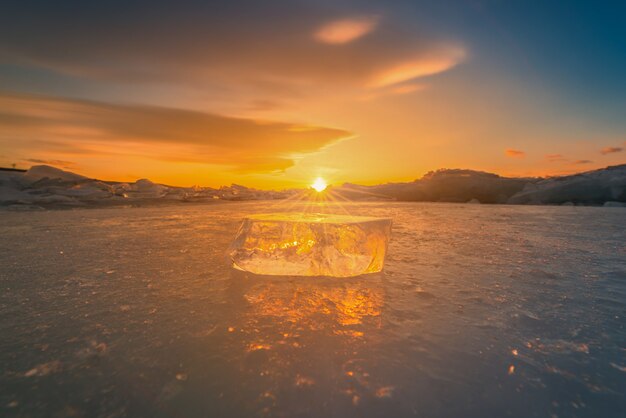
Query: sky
[{"x": 273, "y": 94}]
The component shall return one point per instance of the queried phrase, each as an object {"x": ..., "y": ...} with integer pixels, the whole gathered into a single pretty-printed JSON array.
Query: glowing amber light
[
  {"x": 311, "y": 244},
  {"x": 319, "y": 185}
]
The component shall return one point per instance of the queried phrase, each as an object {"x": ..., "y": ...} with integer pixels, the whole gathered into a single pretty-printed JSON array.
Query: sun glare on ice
[{"x": 319, "y": 185}]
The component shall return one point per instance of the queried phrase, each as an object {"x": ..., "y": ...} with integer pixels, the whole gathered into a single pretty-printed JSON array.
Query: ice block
[{"x": 296, "y": 244}]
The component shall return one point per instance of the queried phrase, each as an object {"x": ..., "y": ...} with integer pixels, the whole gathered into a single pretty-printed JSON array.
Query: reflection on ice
[
  {"x": 311, "y": 332},
  {"x": 309, "y": 303}
]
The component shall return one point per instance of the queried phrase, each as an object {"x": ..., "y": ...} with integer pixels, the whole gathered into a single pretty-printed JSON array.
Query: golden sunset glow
[
  {"x": 367, "y": 95},
  {"x": 319, "y": 185},
  {"x": 313, "y": 208}
]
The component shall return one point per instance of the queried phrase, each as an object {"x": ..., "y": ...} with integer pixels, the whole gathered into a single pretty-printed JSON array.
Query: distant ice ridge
[
  {"x": 606, "y": 186},
  {"x": 43, "y": 186},
  {"x": 40, "y": 172},
  {"x": 48, "y": 187},
  {"x": 593, "y": 187}
]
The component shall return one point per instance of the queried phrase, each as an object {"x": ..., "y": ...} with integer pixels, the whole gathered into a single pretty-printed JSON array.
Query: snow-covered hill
[
  {"x": 606, "y": 186},
  {"x": 47, "y": 187},
  {"x": 43, "y": 187}
]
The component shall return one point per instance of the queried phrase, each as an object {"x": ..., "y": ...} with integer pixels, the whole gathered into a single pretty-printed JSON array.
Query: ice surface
[
  {"x": 298, "y": 244},
  {"x": 136, "y": 313}
]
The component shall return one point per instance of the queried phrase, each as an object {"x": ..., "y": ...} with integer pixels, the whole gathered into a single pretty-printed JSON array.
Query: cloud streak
[
  {"x": 610, "y": 150},
  {"x": 96, "y": 128},
  {"x": 555, "y": 158},
  {"x": 62, "y": 163},
  {"x": 514, "y": 153},
  {"x": 439, "y": 60},
  {"x": 343, "y": 31},
  {"x": 269, "y": 49}
]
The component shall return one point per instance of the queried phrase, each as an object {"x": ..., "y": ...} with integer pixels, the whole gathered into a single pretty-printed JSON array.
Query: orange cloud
[
  {"x": 427, "y": 64},
  {"x": 345, "y": 30},
  {"x": 74, "y": 126},
  {"x": 610, "y": 150},
  {"x": 408, "y": 88},
  {"x": 555, "y": 157},
  {"x": 61, "y": 163},
  {"x": 582, "y": 162},
  {"x": 304, "y": 52},
  {"x": 514, "y": 153},
  {"x": 394, "y": 91}
]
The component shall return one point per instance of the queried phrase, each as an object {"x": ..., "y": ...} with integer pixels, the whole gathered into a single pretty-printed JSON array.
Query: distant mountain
[
  {"x": 445, "y": 186},
  {"x": 454, "y": 185},
  {"x": 48, "y": 187},
  {"x": 590, "y": 188},
  {"x": 43, "y": 187}
]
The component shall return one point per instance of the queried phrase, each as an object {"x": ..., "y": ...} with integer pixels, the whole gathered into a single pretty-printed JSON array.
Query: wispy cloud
[
  {"x": 555, "y": 158},
  {"x": 94, "y": 128},
  {"x": 426, "y": 64},
  {"x": 264, "y": 105},
  {"x": 611, "y": 150},
  {"x": 275, "y": 49},
  {"x": 514, "y": 153},
  {"x": 582, "y": 162},
  {"x": 61, "y": 163},
  {"x": 408, "y": 88},
  {"x": 401, "y": 90},
  {"x": 343, "y": 31}
]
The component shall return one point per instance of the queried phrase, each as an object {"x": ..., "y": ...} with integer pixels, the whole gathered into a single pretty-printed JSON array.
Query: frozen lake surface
[{"x": 481, "y": 311}]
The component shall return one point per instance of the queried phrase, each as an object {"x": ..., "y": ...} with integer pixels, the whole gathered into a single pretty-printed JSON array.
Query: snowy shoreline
[{"x": 44, "y": 187}]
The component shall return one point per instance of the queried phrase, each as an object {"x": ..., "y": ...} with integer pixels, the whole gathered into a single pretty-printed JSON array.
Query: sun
[{"x": 319, "y": 185}]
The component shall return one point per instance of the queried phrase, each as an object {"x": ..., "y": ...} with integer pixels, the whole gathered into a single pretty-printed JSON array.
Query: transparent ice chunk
[{"x": 296, "y": 244}]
